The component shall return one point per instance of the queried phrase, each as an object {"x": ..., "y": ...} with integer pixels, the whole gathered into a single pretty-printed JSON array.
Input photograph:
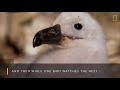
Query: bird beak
[{"x": 51, "y": 35}]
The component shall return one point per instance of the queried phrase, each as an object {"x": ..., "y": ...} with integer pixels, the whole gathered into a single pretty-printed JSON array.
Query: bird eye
[{"x": 78, "y": 26}]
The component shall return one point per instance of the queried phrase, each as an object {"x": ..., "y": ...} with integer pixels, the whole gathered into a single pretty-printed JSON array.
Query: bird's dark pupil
[{"x": 78, "y": 26}]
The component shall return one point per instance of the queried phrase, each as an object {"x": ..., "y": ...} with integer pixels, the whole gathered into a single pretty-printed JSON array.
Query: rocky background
[{"x": 18, "y": 28}]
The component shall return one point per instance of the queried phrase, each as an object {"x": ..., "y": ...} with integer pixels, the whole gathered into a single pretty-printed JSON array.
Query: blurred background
[{"x": 17, "y": 30}]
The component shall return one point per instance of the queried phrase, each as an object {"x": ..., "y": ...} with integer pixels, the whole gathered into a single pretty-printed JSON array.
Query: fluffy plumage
[{"x": 90, "y": 49}]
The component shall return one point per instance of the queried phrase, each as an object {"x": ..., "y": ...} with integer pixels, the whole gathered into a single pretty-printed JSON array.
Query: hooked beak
[{"x": 51, "y": 35}]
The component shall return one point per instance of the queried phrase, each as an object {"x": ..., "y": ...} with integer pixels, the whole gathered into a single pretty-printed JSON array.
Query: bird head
[{"x": 76, "y": 26}]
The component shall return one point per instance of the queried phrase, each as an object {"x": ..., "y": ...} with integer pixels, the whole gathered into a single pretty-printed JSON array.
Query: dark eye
[{"x": 78, "y": 26}]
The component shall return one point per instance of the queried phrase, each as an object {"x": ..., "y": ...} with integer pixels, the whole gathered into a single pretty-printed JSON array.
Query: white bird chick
[{"x": 74, "y": 38}]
